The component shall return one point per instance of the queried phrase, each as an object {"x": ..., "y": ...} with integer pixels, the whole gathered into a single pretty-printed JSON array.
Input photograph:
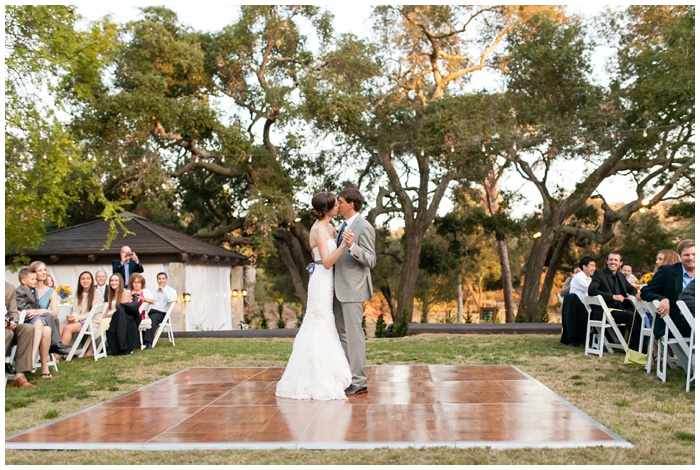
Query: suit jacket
[
  {"x": 11, "y": 302},
  {"x": 688, "y": 296},
  {"x": 118, "y": 268},
  {"x": 353, "y": 280},
  {"x": 601, "y": 284},
  {"x": 25, "y": 299},
  {"x": 667, "y": 283}
]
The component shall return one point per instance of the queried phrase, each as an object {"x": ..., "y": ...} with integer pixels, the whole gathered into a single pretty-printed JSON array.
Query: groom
[{"x": 353, "y": 284}]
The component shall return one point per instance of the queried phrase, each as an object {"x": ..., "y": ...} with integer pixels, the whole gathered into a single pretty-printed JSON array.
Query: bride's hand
[{"x": 349, "y": 238}]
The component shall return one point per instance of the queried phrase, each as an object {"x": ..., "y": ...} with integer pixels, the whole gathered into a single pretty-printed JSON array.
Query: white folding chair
[
  {"x": 672, "y": 339},
  {"x": 595, "y": 341},
  {"x": 144, "y": 308},
  {"x": 690, "y": 372},
  {"x": 643, "y": 312},
  {"x": 51, "y": 361},
  {"x": 690, "y": 365},
  {"x": 91, "y": 335},
  {"x": 648, "y": 307},
  {"x": 166, "y": 324}
]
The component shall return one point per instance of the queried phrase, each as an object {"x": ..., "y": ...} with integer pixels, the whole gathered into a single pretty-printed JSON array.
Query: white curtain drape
[{"x": 210, "y": 304}]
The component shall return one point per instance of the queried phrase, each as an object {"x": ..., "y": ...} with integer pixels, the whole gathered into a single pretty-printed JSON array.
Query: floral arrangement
[
  {"x": 646, "y": 278},
  {"x": 64, "y": 293}
]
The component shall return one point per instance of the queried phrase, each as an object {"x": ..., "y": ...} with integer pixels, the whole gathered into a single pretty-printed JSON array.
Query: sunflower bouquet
[
  {"x": 64, "y": 293},
  {"x": 646, "y": 279}
]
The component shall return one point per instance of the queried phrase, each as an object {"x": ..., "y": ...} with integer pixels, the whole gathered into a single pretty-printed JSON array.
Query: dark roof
[{"x": 148, "y": 239}]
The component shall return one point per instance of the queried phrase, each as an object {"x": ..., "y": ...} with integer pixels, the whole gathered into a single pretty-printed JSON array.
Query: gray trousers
[
  {"x": 348, "y": 321},
  {"x": 23, "y": 336}
]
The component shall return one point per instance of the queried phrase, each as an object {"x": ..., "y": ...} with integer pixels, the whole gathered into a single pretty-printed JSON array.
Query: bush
[{"x": 380, "y": 328}]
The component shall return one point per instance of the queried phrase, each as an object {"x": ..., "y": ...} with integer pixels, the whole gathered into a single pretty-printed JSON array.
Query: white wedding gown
[{"x": 318, "y": 367}]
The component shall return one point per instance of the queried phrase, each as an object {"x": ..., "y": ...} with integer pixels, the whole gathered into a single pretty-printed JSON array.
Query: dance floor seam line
[{"x": 461, "y": 406}]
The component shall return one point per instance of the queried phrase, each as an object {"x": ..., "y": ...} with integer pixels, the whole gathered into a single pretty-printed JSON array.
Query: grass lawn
[{"x": 658, "y": 419}]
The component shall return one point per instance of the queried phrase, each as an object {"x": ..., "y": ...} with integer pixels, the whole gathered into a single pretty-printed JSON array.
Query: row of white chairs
[
  {"x": 683, "y": 347},
  {"x": 95, "y": 336}
]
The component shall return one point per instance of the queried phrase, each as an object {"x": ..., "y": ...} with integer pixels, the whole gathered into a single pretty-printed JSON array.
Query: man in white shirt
[
  {"x": 582, "y": 279},
  {"x": 101, "y": 283},
  {"x": 627, "y": 271},
  {"x": 163, "y": 296}
]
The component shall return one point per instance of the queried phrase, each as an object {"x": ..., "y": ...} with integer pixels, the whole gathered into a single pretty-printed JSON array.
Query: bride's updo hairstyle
[{"x": 322, "y": 203}]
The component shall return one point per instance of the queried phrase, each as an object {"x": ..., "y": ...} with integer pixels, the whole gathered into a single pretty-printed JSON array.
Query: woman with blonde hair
[{"x": 666, "y": 257}]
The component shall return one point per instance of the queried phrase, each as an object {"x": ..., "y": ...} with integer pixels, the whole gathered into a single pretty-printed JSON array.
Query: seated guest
[
  {"x": 139, "y": 293},
  {"x": 48, "y": 299},
  {"x": 567, "y": 283},
  {"x": 618, "y": 294},
  {"x": 582, "y": 279},
  {"x": 574, "y": 313},
  {"x": 20, "y": 335},
  {"x": 667, "y": 285},
  {"x": 664, "y": 257},
  {"x": 25, "y": 298},
  {"x": 86, "y": 297},
  {"x": 163, "y": 296},
  {"x": 50, "y": 282},
  {"x": 101, "y": 284},
  {"x": 123, "y": 333},
  {"x": 116, "y": 294},
  {"x": 627, "y": 271}
]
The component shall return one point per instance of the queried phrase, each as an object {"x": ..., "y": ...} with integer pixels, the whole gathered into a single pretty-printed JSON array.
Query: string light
[
  {"x": 277, "y": 157},
  {"x": 422, "y": 153},
  {"x": 44, "y": 156},
  {"x": 533, "y": 141},
  {"x": 452, "y": 148}
]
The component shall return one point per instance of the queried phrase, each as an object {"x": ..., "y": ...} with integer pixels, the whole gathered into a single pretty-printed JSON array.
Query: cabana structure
[{"x": 208, "y": 273}]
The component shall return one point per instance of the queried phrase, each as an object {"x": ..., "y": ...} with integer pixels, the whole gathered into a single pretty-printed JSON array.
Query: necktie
[{"x": 340, "y": 234}]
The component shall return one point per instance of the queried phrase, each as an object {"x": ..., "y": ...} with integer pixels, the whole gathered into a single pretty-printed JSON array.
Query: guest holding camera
[{"x": 127, "y": 264}]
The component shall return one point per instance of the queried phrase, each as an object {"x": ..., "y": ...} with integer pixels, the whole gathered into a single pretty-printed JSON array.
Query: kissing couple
[{"x": 328, "y": 356}]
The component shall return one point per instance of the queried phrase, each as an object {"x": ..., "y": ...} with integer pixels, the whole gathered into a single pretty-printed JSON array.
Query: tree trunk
[
  {"x": 409, "y": 274},
  {"x": 552, "y": 269},
  {"x": 507, "y": 280},
  {"x": 385, "y": 289},
  {"x": 460, "y": 306},
  {"x": 533, "y": 275}
]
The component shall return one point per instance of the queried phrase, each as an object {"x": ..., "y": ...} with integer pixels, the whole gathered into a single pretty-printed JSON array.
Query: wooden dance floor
[{"x": 407, "y": 406}]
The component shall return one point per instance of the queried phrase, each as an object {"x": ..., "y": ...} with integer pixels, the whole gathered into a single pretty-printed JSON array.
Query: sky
[{"x": 349, "y": 17}]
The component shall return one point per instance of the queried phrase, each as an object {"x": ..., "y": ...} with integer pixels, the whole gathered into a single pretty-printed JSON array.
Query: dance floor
[{"x": 407, "y": 406}]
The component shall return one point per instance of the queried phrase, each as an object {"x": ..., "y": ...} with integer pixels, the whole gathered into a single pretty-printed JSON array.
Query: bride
[{"x": 318, "y": 367}]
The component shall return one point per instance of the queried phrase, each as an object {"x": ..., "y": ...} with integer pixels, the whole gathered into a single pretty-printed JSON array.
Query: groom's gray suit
[{"x": 353, "y": 286}]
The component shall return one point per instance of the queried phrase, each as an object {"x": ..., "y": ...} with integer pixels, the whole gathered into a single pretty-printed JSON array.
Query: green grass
[{"x": 634, "y": 405}]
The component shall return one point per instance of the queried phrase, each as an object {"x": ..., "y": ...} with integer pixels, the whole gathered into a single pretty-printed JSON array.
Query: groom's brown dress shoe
[{"x": 355, "y": 390}]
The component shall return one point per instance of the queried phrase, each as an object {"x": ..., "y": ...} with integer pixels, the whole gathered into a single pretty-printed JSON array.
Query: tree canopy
[{"x": 225, "y": 134}]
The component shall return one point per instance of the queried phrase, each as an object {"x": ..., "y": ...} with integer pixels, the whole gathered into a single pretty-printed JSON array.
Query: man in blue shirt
[{"x": 667, "y": 284}]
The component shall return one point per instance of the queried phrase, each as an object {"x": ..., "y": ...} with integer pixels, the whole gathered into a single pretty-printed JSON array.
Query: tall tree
[
  {"x": 423, "y": 50},
  {"x": 561, "y": 117},
  {"x": 50, "y": 68}
]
